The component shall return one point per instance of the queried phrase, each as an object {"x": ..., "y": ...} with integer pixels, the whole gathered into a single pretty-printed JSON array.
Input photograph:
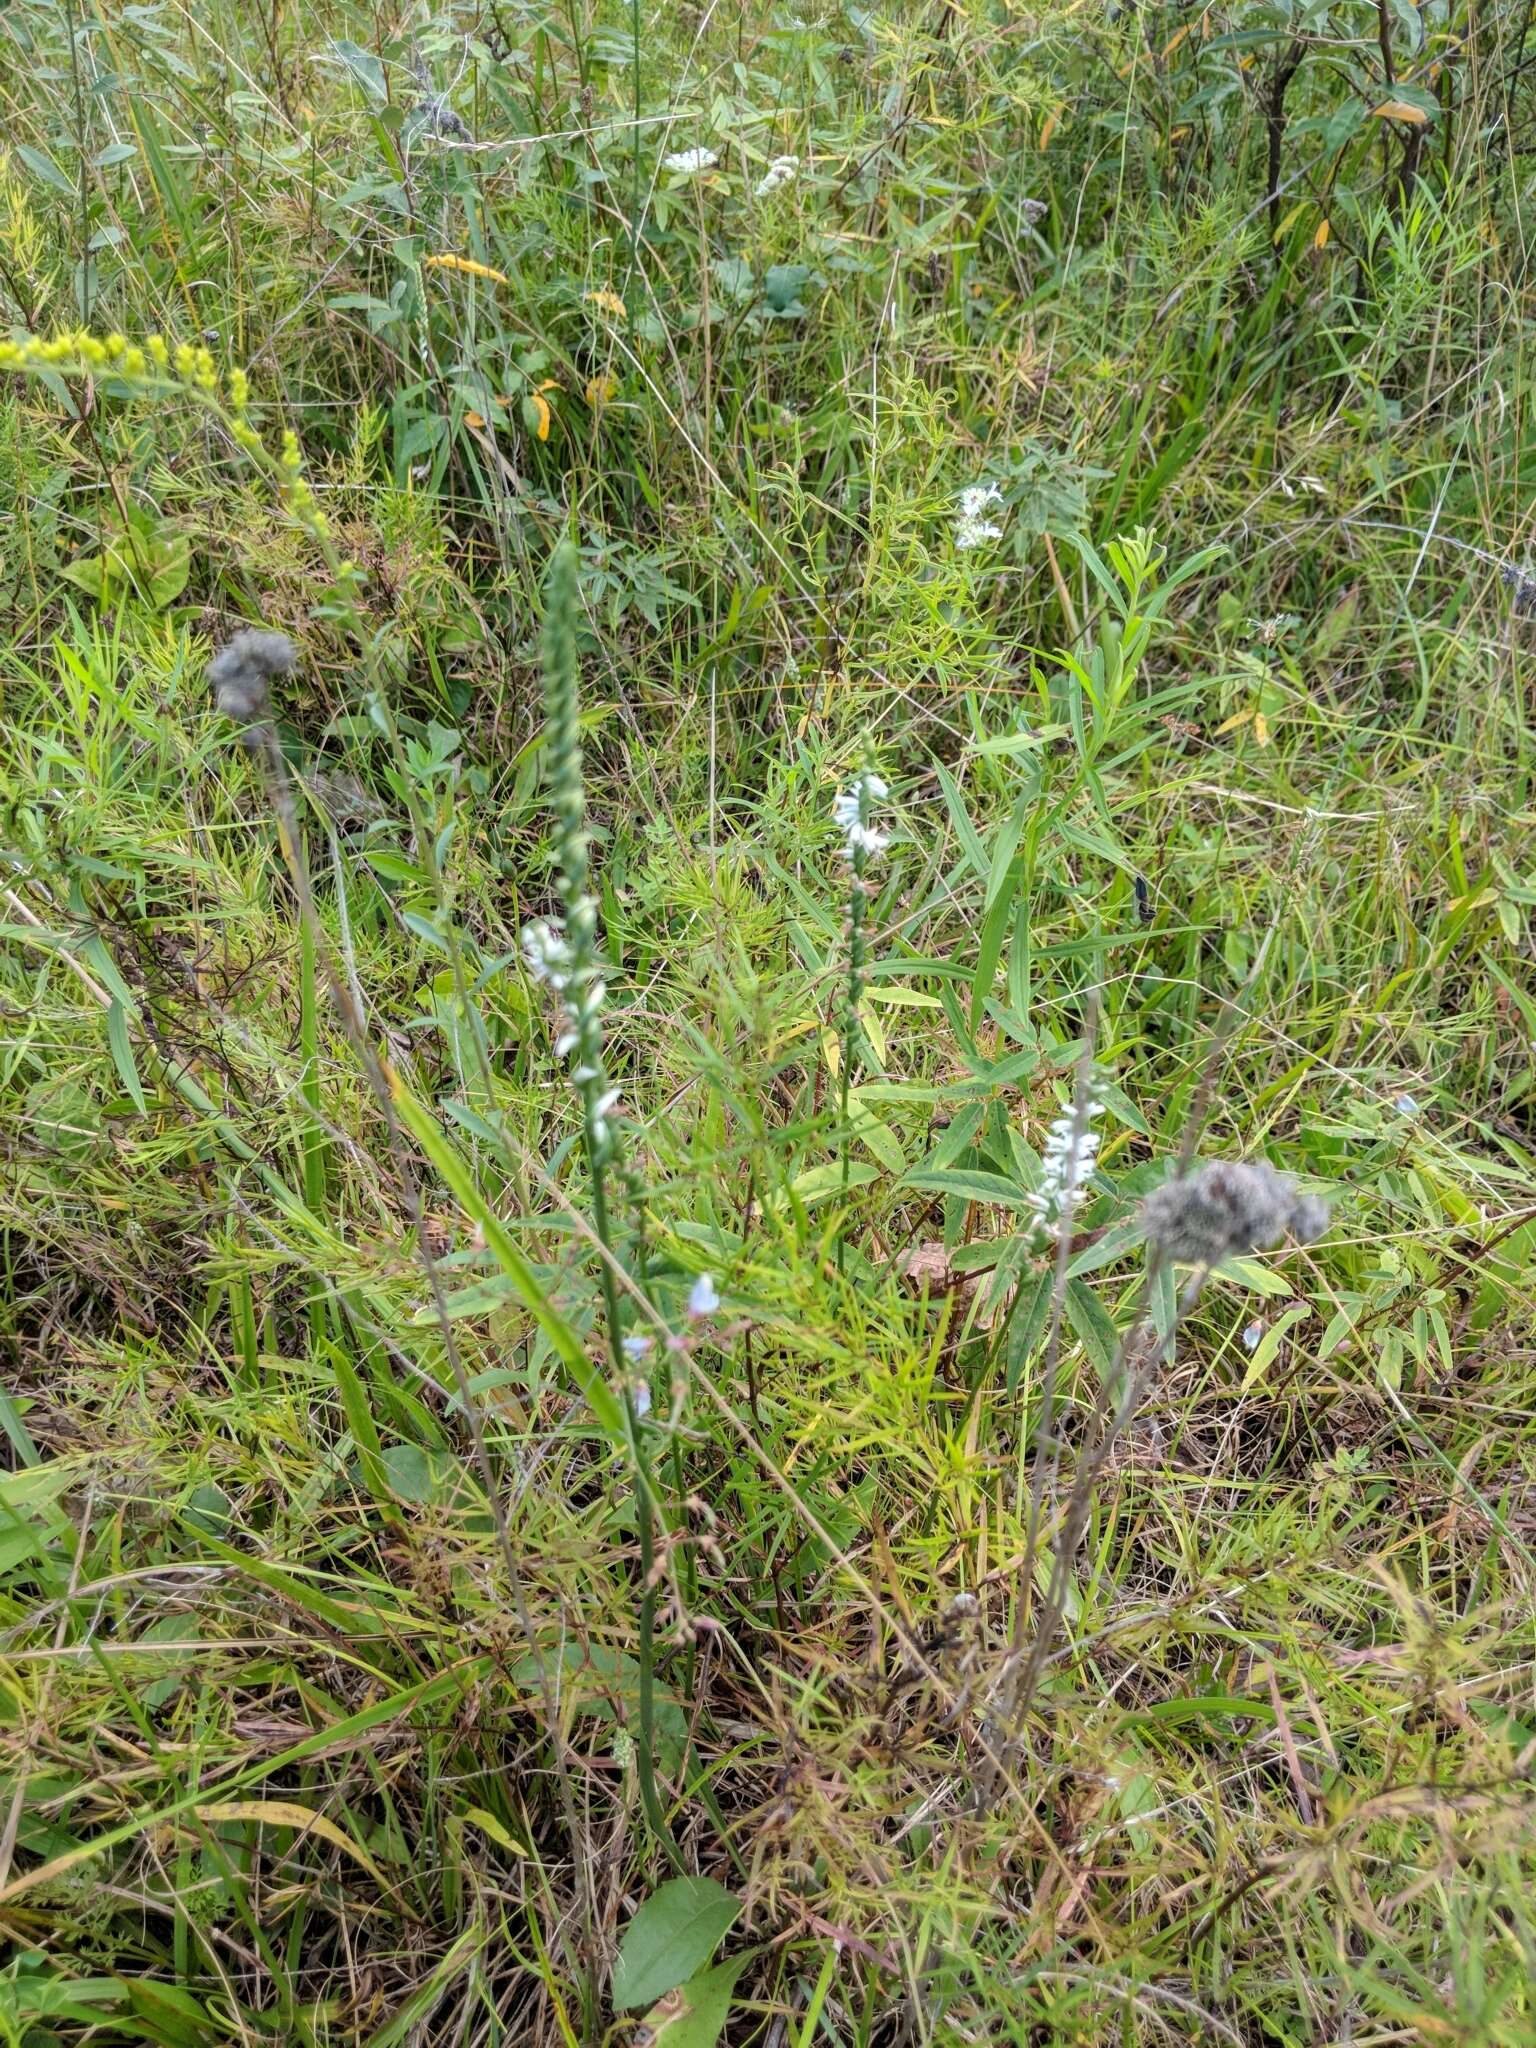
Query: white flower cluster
[
  {"x": 1066, "y": 1164},
  {"x": 850, "y": 813},
  {"x": 782, "y": 171},
  {"x": 690, "y": 163},
  {"x": 548, "y": 953},
  {"x": 551, "y": 959},
  {"x": 973, "y": 529}
]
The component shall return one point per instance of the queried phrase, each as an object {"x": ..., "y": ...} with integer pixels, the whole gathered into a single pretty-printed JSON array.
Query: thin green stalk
[
  {"x": 861, "y": 842},
  {"x": 564, "y": 953}
]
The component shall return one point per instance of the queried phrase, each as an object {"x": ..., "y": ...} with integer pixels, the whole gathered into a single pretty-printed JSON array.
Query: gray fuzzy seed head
[
  {"x": 243, "y": 670},
  {"x": 1309, "y": 1219},
  {"x": 1227, "y": 1208}
]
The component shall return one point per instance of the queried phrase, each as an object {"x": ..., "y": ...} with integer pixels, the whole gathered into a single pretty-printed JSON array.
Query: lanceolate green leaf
[{"x": 423, "y": 1127}]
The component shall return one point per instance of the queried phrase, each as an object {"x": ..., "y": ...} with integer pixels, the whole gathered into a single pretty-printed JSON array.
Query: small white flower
[
  {"x": 705, "y": 1298},
  {"x": 973, "y": 529},
  {"x": 1252, "y": 1336},
  {"x": 977, "y": 499},
  {"x": 975, "y": 533},
  {"x": 850, "y": 814},
  {"x": 689, "y": 163},
  {"x": 637, "y": 1346},
  {"x": 1405, "y": 1105},
  {"x": 782, "y": 171},
  {"x": 640, "y": 1397},
  {"x": 547, "y": 952}
]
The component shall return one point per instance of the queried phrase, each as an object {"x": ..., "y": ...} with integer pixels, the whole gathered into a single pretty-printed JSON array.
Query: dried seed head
[
  {"x": 1229, "y": 1207},
  {"x": 242, "y": 671},
  {"x": 1309, "y": 1219}
]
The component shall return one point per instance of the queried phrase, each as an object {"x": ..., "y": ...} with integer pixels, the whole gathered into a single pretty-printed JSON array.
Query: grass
[{"x": 391, "y": 1654}]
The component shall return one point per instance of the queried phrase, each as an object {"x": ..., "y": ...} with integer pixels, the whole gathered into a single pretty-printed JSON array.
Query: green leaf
[
  {"x": 733, "y": 277},
  {"x": 960, "y": 818},
  {"x": 1269, "y": 1345},
  {"x": 93, "y": 574},
  {"x": 364, "y": 67},
  {"x": 425, "y": 1478},
  {"x": 694, "y": 2015},
  {"x": 1095, "y": 1329},
  {"x": 170, "y": 567},
  {"x": 1027, "y": 1326},
  {"x": 783, "y": 284},
  {"x": 676, "y": 1931},
  {"x": 971, "y": 1184},
  {"x": 44, "y": 167},
  {"x": 63, "y": 1119},
  {"x": 423, "y": 1126},
  {"x": 122, "y": 1055},
  {"x": 818, "y": 1182}
]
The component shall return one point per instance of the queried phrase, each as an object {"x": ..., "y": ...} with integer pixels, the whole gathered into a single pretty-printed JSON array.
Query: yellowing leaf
[
  {"x": 500, "y": 1834},
  {"x": 600, "y": 390},
  {"x": 541, "y": 414},
  {"x": 1400, "y": 110},
  {"x": 898, "y": 993},
  {"x": 282, "y": 1813},
  {"x": 474, "y": 419},
  {"x": 609, "y": 303},
  {"x": 1176, "y": 38},
  {"x": 1048, "y": 126},
  {"x": 1324, "y": 230},
  {"x": 467, "y": 266},
  {"x": 1231, "y": 725},
  {"x": 1261, "y": 728}
]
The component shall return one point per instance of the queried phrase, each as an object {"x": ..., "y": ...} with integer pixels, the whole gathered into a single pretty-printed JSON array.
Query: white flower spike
[
  {"x": 973, "y": 529},
  {"x": 782, "y": 171},
  {"x": 1066, "y": 1166},
  {"x": 690, "y": 163}
]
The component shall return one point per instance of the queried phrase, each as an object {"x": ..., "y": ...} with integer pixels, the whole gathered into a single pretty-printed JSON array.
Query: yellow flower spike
[
  {"x": 186, "y": 361},
  {"x": 466, "y": 266},
  {"x": 159, "y": 354},
  {"x": 114, "y": 344},
  {"x": 247, "y": 437},
  {"x": 133, "y": 364},
  {"x": 239, "y": 390}
]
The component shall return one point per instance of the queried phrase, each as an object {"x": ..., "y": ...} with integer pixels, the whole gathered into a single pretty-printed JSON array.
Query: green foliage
[{"x": 393, "y": 1652}]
